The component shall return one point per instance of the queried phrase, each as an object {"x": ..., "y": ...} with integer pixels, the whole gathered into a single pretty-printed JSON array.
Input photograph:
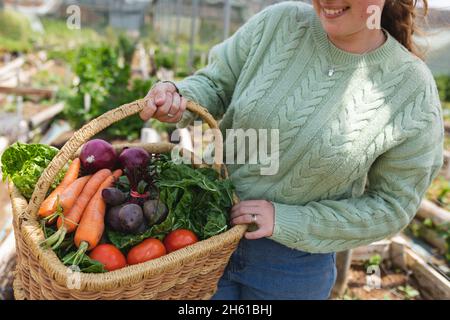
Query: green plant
[
  {"x": 164, "y": 58},
  {"x": 408, "y": 292},
  {"x": 439, "y": 192},
  {"x": 15, "y": 31},
  {"x": 107, "y": 84},
  {"x": 443, "y": 85},
  {"x": 374, "y": 260}
]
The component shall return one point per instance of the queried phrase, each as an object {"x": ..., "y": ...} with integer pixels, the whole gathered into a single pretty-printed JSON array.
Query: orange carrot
[
  {"x": 73, "y": 216},
  {"x": 48, "y": 206},
  {"x": 69, "y": 220},
  {"x": 70, "y": 194},
  {"x": 117, "y": 173},
  {"x": 92, "y": 223}
]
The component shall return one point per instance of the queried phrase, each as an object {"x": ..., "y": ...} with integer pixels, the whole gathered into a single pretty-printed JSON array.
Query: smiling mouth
[{"x": 334, "y": 13}]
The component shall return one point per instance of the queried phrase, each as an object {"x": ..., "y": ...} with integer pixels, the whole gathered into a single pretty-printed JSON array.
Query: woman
[{"x": 352, "y": 103}]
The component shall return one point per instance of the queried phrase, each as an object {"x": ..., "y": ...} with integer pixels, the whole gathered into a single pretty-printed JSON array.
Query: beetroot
[
  {"x": 135, "y": 162},
  {"x": 97, "y": 154}
]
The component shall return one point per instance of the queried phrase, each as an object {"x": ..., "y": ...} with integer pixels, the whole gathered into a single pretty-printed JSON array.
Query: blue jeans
[{"x": 266, "y": 270}]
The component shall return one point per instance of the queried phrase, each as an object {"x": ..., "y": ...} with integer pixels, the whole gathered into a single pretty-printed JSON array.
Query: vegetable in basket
[
  {"x": 24, "y": 164},
  {"x": 70, "y": 195},
  {"x": 196, "y": 199},
  {"x": 66, "y": 253},
  {"x": 92, "y": 224},
  {"x": 68, "y": 220},
  {"x": 155, "y": 211},
  {"x": 179, "y": 239},
  {"x": 147, "y": 250},
  {"x": 113, "y": 196},
  {"x": 49, "y": 206},
  {"x": 108, "y": 255},
  {"x": 98, "y": 154},
  {"x": 135, "y": 163},
  {"x": 131, "y": 218}
]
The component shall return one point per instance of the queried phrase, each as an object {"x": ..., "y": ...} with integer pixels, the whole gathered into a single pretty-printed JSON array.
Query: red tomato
[
  {"x": 109, "y": 256},
  {"x": 178, "y": 239},
  {"x": 146, "y": 250}
]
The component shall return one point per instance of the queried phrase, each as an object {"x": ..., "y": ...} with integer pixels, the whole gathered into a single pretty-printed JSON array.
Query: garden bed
[
  {"x": 403, "y": 267},
  {"x": 395, "y": 285}
]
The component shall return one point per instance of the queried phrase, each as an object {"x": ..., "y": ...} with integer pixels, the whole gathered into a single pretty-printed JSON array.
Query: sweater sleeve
[
  {"x": 397, "y": 181},
  {"x": 213, "y": 86}
]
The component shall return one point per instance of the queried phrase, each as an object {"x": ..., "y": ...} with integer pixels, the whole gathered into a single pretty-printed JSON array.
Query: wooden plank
[
  {"x": 431, "y": 211},
  {"x": 431, "y": 236},
  {"x": 9, "y": 69},
  {"x": 23, "y": 91},
  {"x": 397, "y": 252},
  {"x": 364, "y": 253},
  {"x": 343, "y": 264},
  {"x": 46, "y": 115},
  {"x": 432, "y": 284}
]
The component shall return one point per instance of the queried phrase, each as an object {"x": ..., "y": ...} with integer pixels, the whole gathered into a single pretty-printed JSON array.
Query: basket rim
[{"x": 33, "y": 235}]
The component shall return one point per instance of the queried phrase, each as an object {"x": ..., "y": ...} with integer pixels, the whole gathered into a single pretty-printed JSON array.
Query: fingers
[
  {"x": 237, "y": 211},
  {"x": 148, "y": 111},
  {"x": 162, "y": 110},
  {"x": 252, "y": 203},
  {"x": 243, "y": 219},
  {"x": 159, "y": 92},
  {"x": 172, "y": 114},
  {"x": 258, "y": 212},
  {"x": 156, "y": 97}
]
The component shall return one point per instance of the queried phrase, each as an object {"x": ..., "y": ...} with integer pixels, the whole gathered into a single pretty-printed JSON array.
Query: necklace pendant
[{"x": 330, "y": 72}]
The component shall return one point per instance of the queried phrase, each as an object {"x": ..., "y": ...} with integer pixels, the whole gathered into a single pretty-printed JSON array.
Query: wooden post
[
  {"x": 343, "y": 263},
  {"x": 432, "y": 284},
  {"x": 227, "y": 17},
  {"x": 178, "y": 9},
  {"x": 194, "y": 15}
]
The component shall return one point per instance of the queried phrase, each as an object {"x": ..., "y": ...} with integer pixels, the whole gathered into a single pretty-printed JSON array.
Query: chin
[{"x": 334, "y": 30}]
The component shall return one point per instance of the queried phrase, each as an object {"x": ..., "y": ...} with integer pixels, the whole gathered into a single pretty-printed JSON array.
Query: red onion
[{"x": 98, "y": 154}]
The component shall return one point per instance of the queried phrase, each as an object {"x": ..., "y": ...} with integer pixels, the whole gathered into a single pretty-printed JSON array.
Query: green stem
[
  {"x": 55, "y": 240},
  {"x": 63, "y": 231},
  {"x": 80, "y": 252}
]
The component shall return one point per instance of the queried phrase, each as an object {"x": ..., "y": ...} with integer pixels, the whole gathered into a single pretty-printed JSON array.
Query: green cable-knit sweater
[{"x": 358, "y": 149}]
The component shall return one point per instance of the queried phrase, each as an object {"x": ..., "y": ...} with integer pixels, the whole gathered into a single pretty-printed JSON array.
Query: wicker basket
[{"x": 189, "y": 273}]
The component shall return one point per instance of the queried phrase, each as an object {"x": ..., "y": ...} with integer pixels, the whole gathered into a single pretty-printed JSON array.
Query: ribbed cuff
[{"x": 286, "y": 224}]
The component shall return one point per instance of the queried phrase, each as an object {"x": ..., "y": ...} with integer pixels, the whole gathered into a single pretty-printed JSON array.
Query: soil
[{"x": 392, "y": 282}]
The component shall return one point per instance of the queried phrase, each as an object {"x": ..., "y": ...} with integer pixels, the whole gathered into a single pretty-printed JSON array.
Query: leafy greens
[
  {"x": 196, "y": 198},
  {"x": 24, "y": 163}
]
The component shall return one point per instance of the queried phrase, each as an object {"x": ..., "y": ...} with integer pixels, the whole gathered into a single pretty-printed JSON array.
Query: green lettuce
[{"x": 24, "y": 163}]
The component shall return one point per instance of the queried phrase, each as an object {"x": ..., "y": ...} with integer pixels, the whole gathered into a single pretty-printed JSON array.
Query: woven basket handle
[{"x": 88, "y": 131}]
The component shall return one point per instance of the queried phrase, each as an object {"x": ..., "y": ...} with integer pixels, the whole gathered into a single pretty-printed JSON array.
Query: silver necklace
[{"x": 331, "y": 67}]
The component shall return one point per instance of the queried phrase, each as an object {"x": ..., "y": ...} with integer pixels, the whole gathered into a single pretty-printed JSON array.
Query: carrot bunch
[
  {"x": 78, "y": 199},
  {"x": 48, "y": 207}
]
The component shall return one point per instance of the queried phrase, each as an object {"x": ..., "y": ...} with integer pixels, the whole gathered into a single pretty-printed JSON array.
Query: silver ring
[
  {"x": 170, "y": 115},
  {"x": 253, "y": 217}
]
